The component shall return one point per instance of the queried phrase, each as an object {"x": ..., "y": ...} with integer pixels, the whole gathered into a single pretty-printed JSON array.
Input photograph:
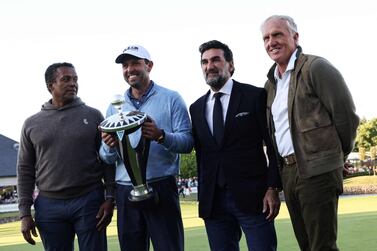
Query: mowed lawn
[{"x": 357, "y": 229}]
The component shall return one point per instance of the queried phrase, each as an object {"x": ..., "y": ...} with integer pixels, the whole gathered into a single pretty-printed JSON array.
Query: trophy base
[{"x": 147, "y": 200}]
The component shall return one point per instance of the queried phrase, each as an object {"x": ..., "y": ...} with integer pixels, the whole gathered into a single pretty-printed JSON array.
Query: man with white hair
[{"x": 312, "y": 122}]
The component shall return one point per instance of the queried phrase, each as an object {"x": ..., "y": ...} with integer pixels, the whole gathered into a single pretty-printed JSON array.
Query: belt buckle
[{"x": 289, "y": 159}]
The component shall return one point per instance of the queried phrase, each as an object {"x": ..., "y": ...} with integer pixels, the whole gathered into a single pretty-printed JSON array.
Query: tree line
[{"x": 366, "y": 141}]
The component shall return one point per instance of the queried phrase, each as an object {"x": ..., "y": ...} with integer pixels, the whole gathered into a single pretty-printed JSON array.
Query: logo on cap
[{"x": 132, "y": 48}]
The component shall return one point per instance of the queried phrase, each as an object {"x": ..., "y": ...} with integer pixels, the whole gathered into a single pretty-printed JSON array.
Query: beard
[
  {"x": 137, "y": 84},
  {"x": 217, "y": 82}
]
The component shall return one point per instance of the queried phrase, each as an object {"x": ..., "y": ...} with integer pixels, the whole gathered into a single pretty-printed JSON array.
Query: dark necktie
[
  {"x": 218, "y": 133},
  {"x": 217, "y": 119}
]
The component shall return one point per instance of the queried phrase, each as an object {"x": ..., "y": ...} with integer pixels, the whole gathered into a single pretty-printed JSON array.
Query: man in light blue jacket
[{"x": 169, "y": 130}]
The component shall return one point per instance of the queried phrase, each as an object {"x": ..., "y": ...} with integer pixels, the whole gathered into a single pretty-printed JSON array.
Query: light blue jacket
[{"x": 168, "y": 110}]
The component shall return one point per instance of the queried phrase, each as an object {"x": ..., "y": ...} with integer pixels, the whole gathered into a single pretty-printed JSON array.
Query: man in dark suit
[{"x": 237, "y": 188}]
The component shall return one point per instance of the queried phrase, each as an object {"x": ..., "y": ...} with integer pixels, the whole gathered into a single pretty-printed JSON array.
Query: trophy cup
[{"x": 134, "y": 159}]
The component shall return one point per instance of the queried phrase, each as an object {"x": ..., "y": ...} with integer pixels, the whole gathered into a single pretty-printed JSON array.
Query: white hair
[{"x": 290, "y": 22}]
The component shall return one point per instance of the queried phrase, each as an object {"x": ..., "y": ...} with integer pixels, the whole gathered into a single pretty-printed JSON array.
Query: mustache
[{"x": 211, "y": 71}]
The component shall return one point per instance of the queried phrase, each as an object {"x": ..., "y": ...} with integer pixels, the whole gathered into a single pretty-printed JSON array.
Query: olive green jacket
[{"x": 321, "y": 114}]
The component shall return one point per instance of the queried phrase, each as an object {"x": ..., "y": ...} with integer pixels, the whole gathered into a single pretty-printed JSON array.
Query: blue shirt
[
  {"x": 139, "y": 102},
  {"x": 168, "y": 110}
]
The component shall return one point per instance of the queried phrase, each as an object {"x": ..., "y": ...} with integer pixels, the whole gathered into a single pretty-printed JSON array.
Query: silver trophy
[{"x": 135, "y": 159}]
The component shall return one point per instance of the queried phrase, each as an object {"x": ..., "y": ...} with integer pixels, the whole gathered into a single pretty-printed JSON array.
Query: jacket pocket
[{"x": 319, "y": 139}]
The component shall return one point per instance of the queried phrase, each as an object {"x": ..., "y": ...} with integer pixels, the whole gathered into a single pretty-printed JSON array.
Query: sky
[{"x": 92, "y": 33}]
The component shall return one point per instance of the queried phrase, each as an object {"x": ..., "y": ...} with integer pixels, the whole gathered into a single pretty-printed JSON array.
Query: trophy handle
[
  {"x": 130, "y": 159},
  {"x": 135, "y": 158},
  {"x": 142, "y": 153}
]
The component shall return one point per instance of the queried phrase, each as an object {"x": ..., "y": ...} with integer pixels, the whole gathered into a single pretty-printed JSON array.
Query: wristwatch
[{"x": 161, "y": 139}]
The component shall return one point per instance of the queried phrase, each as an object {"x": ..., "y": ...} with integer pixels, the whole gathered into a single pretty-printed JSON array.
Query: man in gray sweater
[{"x": 59, "y": 155}]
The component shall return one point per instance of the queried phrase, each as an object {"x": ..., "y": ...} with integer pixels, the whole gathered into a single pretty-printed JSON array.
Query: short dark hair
[
  {"x": 215, "y": 44},
  {"x": 50, "y": 73}
]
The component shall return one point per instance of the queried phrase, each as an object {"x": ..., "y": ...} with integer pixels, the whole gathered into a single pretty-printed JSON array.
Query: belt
[{"x": 289, "y": 159}]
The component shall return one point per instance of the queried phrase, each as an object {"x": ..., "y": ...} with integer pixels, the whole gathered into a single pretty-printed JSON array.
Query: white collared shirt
[
  {"x": 279, "y": 109},
  {"x": 226, "y": 90}
]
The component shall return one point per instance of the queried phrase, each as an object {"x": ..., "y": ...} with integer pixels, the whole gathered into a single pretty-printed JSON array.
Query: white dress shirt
[
  {"x": 279, "y": 109},
  {"x": 226, "y": 90}
]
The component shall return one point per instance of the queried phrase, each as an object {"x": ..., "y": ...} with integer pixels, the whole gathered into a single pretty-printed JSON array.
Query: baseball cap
[{"x": 133, "y": 50}]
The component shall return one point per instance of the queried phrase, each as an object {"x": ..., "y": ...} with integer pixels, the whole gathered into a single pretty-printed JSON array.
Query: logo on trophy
[{"x": 134, "y": 158}]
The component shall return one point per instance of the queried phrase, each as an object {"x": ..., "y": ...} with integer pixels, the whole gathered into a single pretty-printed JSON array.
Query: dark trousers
[
  {"x": 313, "y": 206},
  {"x": 59, "y": 220},
  {"x": 225, "y": 224},
  {"x": 161, "y": 223}
]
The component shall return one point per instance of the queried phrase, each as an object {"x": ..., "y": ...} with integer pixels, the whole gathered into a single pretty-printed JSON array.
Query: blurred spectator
[
  {"x": 186, "y": 186},
  {"x": 8, "y": 196},
  {"x": 181, "y": 187}
]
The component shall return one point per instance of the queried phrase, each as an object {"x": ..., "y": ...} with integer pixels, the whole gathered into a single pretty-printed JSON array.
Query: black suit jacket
[{"x": 241, "y": 155}]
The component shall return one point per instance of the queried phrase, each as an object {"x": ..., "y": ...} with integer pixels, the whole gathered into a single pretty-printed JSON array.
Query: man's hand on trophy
[
  {"x": 150, "y": 130},
  {"x": 110, "y": 139}
]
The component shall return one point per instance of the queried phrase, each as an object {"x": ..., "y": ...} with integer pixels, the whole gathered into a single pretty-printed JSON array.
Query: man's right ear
[{"x": 49, "y": 87}]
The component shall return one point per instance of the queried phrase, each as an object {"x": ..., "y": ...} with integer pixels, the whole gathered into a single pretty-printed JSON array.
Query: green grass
[
  {"x": 8, "y": 214},
  {"x": 361, "y": 180},
  {"x": 357, "y": 229},
  {"x": 357, "y": 225}
]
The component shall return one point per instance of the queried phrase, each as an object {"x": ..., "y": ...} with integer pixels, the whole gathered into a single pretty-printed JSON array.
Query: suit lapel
[
  {"x": 293, "y": 86},
  {"x": 202, "y": 124},
  {"x": 234, "y": 101},
  {"x": 203, "y": 116}
]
